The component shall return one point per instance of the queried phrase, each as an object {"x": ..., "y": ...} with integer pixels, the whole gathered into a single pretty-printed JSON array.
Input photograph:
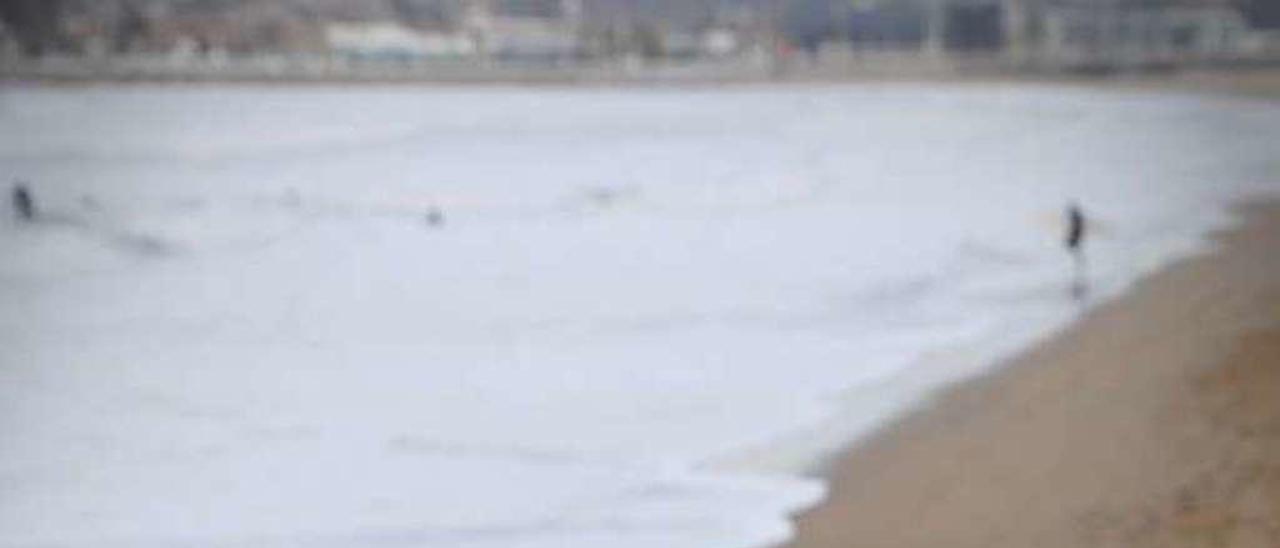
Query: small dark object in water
[
  {"x": 23, "y": 203},
  {"x": 1075, "y": 228},
  {"x": 1075, "y": 245},
  {"x": 89, "y": 203},
  {"x": 435, "y": 217}
]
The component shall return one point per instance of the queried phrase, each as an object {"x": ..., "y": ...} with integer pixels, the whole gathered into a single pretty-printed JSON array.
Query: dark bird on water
[{"x": 23, "y": 203}]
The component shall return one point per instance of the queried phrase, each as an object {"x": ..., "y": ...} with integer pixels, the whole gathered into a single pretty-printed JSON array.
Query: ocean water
[{"x": 645, "y": 316}]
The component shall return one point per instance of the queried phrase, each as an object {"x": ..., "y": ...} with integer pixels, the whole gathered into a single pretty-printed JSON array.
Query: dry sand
[{"x": 1155, "y": 421}]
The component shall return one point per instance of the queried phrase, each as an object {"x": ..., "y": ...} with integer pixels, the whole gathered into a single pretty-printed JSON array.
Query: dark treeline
[{"x": 34, "y": 23}]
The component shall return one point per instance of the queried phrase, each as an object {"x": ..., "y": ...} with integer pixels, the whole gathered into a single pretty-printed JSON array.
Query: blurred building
[
  {"x": 1051, "y": 33},
  {"x": 525, "y": 30},
  {"x": 384, "y": 40},
  {"x": 1124, "y": 34}
]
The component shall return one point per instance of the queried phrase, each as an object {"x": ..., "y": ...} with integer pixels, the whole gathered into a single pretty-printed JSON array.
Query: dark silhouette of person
[
  {"x": 1076, "y": 227},
  {"x": 23, "y": 203}
]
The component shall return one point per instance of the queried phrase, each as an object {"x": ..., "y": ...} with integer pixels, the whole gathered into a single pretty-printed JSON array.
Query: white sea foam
[{"x": 646, "y": 313}]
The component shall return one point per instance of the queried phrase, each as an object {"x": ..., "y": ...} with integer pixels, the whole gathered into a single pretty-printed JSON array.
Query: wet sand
[{"x": 1155, "y": 421}]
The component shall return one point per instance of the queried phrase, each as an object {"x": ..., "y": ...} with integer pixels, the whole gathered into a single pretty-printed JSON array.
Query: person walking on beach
[
  {"x": 1075, "y": 246},
  {"x": 23, "y": 204}
]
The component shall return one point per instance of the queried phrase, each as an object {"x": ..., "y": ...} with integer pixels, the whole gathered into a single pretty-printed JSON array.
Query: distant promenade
[{"x": 269, "y": 68}]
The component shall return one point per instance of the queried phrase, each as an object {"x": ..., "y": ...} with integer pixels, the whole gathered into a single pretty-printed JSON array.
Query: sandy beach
[{"x": 1154, "y": 421}]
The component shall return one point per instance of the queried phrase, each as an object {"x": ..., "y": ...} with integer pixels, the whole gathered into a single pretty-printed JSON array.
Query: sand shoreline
[
  {"x": 1260, "y": 82},
  {"x": 1153, "y": 421}
]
